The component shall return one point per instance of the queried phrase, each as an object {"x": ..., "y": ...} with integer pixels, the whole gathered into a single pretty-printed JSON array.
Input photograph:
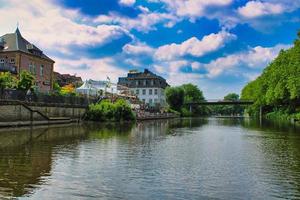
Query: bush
[
  {"x": 185, "y": 113},
  {"x": 107, "y": 111}
]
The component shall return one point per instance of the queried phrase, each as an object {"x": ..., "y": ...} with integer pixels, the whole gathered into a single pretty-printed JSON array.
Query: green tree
[
  {"x": 192, "y": 94},
  {"x": 26, "y": 81},
  {"x": 7, "y": 81},
  {"x": 278, "y": 87},
  {"x": 175, "y": 97}
]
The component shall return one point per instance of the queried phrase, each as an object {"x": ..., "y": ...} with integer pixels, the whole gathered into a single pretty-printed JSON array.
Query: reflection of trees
[
  {"x": 268, "y": 125},
  {"x": 26, "y": 156},
  {"x": 148, "y": 131},
  {"x": 279, "y": 144},
  {"x": 108, "y": 130}
]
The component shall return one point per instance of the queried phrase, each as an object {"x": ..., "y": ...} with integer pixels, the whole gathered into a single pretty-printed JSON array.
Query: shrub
[{"x": 107, "y": 111}]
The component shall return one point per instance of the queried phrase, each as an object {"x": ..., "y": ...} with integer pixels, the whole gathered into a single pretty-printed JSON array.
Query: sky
[{"x": 219, "y": 45}]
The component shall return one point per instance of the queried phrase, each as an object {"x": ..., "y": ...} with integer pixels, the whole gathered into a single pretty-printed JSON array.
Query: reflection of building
[
  {"x": 27, "y": 156},
  {"x": 148, "y": 86},
  {"x": 17, "y": 54},
  {"x": 66, "y": 79}
]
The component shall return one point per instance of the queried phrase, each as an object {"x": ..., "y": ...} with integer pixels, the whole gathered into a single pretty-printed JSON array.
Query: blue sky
[{"x": 220, "y": 45}]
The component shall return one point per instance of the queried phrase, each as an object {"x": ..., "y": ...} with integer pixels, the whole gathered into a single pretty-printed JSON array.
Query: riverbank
[{"x": 282, "y": 116}]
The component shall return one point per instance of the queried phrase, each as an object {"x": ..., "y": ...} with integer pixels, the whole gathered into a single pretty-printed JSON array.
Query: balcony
[{"x": 8, "y": 68}]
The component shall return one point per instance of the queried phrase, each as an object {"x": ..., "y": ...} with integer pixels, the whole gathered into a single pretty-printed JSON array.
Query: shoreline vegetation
[
  {"x": 106, "y": 110},
  {"x": 277, "y": 89}
]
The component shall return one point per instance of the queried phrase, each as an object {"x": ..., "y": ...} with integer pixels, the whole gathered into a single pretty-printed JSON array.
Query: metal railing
[{"x": 45, "y": 98}]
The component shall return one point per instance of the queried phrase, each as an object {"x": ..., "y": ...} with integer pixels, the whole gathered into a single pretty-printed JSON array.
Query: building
[
  {"x": 66, "y": 79},
  {"x": 147, "y": 86},
  {"x": 17, "y": 54}
]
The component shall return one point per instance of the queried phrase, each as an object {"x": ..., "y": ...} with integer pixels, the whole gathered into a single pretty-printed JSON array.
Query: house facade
[
  {"x": 147, "y": 86},
  {"x": 66, "y": 79},
  {"x": 17, "y": 54}
]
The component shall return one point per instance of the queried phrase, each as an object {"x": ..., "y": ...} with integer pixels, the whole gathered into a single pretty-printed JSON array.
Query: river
[{"x": 167, "y": 159}]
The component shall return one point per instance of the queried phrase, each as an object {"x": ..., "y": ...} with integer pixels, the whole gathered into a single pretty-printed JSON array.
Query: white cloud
[
  {"x": 51, "y": 27},
  {"x": 194, "y": 46},
  {"x": 138, "y": 49},
  {"x": 97, "y": 69},
  {"x": 144, "y": 22},
  {"x": 257, "y": 57},
  {"x": 191, "y": 8},
  {"x": 127, "y": 2},
  {"x": 257, "y": 8},
  {"x": 174, "y": 76}
]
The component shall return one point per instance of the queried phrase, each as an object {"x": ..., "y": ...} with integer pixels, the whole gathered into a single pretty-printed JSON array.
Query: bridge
[{"x": 221, "y": 102}]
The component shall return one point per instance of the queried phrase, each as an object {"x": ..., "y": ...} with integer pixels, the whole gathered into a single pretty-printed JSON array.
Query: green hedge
[{"x": 108, "y": 111}]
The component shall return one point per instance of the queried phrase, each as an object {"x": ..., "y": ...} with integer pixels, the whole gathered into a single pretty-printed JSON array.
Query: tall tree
[
  {"x": 175, "y": 97},
  {"x": 279, "y": 84}
]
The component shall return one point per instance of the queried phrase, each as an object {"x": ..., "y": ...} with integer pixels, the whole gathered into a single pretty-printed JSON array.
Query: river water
[{"x": 167, "y": 159}]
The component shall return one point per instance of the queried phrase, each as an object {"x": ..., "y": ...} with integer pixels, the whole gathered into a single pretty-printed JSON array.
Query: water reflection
[
  {"x": 26, "y": 156},
  {"x": 163, "y": 159}
]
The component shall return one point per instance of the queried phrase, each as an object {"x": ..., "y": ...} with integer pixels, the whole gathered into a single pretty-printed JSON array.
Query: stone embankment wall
[{"x": 13, "y": 112}]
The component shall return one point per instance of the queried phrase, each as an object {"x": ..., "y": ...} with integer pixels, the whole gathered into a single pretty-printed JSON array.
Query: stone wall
[{"x": 17, "y": 112}]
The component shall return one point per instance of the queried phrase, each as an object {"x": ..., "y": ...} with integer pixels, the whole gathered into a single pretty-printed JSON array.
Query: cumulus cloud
[
  {"x": 52, "y": 27},
  {"x": 257, "y": 8},
  {"x": 127, "y": 2},
  {"x": 191, "y": 8},
  {"x": 257, "y": 57},
  {"x": 144, "y": 22},
  {"x": 194, "y": 46},
  {"x": 138, "y": 49},
  {"x": 173, "y": 73},
  {"x": 97, "y": 69}
]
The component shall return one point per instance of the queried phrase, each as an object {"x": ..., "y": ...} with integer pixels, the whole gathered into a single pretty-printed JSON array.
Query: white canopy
[{"x": 93, "y": 88}]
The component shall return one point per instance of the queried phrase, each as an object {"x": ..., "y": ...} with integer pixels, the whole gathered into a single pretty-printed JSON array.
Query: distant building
[
  {"x": 66, "y": 79},
  {"x": 17, "y": 54},
  {"x": 147, "y": 86}
]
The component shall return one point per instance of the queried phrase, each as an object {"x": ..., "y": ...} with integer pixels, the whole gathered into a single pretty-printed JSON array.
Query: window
[
  {"x": 150, "y": 101},
  {"x": 30, "y": 66},
  {"x": 144, "y": 91},
  {"x": 143, "y": 100},
  {"x": 137, "y": 92},
  {"x": 34, "y": 69},
  {"x": 155, "y": 91},
  {"x": 12, "y": 61},
  {"x": 150, "y": 91},
  {"x": 42, "y": 70},
  {"x": 2, "y": 61}
]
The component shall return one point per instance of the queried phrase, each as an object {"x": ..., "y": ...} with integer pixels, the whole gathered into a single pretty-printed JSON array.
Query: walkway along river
[{"x": 165, "y": 159}]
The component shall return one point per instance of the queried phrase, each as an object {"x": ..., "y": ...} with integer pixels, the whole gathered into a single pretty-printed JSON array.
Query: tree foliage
[
  {"x": 106, "y": 110},
  {"x": 279, "y": 84},
  {"x": 26, "y": 81},
  {"x": 228, "y": 109},
  {"x": 7, "y": 80},
  {"x": 179, "y": 97},
  {"x": 175, "y": 97},
  {"x": 67, "y": 90}
]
